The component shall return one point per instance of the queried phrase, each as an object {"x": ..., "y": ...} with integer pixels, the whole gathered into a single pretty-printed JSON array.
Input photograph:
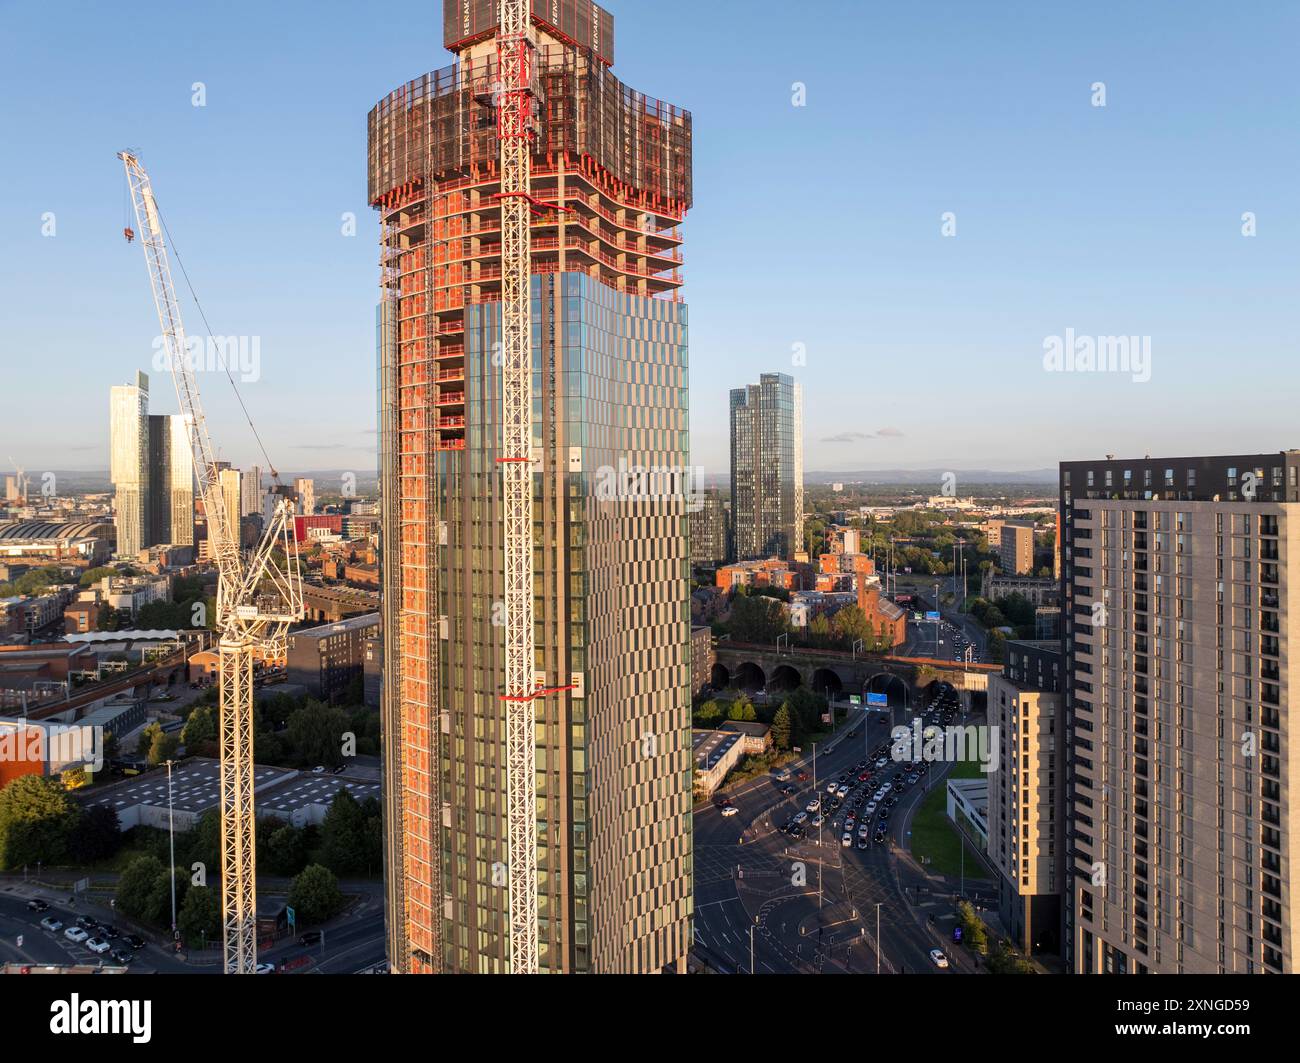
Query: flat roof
[
  {"x": 710, "y": 747},
  {"x": 306, "y": 788},
  {"x": 352, "y": 623},
  {"x": 196, "y": 786}
]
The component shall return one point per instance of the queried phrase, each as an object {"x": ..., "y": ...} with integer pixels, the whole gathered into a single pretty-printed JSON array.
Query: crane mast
[
  {"x": 257, "y": 600},
  {"x": 515, "y": 48}
]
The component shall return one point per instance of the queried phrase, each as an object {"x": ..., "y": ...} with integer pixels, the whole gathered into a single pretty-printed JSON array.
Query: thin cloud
[{"x": 857, "y": 437}]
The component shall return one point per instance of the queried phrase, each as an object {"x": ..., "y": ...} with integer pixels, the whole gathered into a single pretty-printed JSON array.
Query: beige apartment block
[{"x": 1026, "y": 829}]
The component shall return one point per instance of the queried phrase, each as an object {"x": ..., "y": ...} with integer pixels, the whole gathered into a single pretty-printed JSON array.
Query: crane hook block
[{"x": 129, "y": 233}]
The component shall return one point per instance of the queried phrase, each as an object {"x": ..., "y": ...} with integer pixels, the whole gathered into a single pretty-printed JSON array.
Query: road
[
  {"x": 352, "y": 942},
  {"x": 811, "y": 902}
]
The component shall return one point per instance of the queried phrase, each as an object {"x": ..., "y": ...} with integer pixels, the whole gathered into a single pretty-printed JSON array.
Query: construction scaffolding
[{"x": 442, "y": 125}]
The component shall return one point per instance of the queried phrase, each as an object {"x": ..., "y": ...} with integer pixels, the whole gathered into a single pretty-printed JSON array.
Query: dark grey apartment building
[
  {"x": 1176, "y": 606},
  {"x": 767, "y": 468},
  {"x": 326, "y": 660}
]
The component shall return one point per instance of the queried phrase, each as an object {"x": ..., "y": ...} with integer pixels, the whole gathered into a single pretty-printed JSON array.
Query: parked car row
[{"x": 100, "y": 938}]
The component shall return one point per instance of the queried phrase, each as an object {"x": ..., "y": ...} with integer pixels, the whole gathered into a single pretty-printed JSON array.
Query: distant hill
[{"x": 933, "y": 476}]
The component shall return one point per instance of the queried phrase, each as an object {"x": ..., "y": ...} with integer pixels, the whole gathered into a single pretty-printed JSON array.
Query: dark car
[
  {"x": 38, "y": 906},
  {"x": 134, "y": 940},
  {"x": 340, "y": 769},
  {"x": 121, "y": 957},
  {"x": 312, "y": 937},
  {"x": 86, "y": 923},
  {"x": 109, "y": 931}
]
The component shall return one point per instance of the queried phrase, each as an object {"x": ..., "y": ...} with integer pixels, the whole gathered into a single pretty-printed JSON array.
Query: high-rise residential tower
[
  {"x": 232, "y": 493},
  {"x": 171, "y": 481},
  {"x": 151, "y": 466},
  {"x": 610, "y": 188},
  {"x": 128, "y": 446},
  {"x": 767, "y": 468},
  {"x": 1176, "y": 613},
  {"x": 250, "y": 492},
  {"x": 306, "y": 488},
  {"x": 710, "y": 528}
]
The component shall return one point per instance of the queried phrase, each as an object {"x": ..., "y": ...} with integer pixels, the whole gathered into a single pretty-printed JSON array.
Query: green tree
[
  {"x": 782, "y": 728},
  {"x": 316, "y": 734},
  {"x": 315, "y": 895},
  {"x": 742, "y": 710},
  {"x": 37, "y": 820},
  {"x": 201, "y": 727},
  {"x": 345, "y": 846},
  {"x": 974, "y": 933},
  {"x": 199, "y": 916},
  {"x": 708, "y": 714},
  {"x": 851, "y": 624},
  {"x": 756, "y": 619},
  {"x": 96, "y": 836},
  {"x": 137, "y": 889},
  {"x": 286, "y": 850},
  {"x": 162, "y": 747},
  {"x": 202, "y": 844},
  {"x": 94, "y": 575}
]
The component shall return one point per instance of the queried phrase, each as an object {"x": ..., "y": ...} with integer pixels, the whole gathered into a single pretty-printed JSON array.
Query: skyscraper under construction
[{"x": 611, "y": 182}]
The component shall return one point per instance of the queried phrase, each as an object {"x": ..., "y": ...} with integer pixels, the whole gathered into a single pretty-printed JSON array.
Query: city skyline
[
  {"x": 746, "y": 488},
  {"x": 1130, "y": 250}
]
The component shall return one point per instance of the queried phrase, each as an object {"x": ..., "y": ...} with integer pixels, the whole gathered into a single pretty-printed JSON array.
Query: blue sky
[{"x": 816, "y": 226}]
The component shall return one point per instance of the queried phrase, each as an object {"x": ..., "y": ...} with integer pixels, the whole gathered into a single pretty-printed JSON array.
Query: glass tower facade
[
  {"x": 767, "y": 468},
  {"x": 610, "y": 186}
]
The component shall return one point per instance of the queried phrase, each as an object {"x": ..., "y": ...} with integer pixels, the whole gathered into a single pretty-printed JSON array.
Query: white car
[
  {"x": 813, "y": 806},
  {"x": 846, "y": 840},
  {"x": 264, "y": 968},
  {"x": 870, "y": 810},
  {"x": 844, "y": 790},
  {"x": 50, "y": 923},
  {"x": 318, "y": 770},
  {"x": 938, "y": 958},
  {"x": 832, "y": 787},
  {"x": 730, "y": 810},
  {"x": 98, "y": 945},
  {"x": 882, "y": 762},
  {"x": 801, "y": 817},
  {"x": 818, "y": 820},
  {"x": 75, "y": 933}
]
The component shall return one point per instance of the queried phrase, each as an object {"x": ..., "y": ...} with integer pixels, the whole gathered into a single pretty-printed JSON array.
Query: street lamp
[
  {"x": 877, "y": 937},
  {"x": 171, "y": 844},
  {"x": 784, "y": 635}
]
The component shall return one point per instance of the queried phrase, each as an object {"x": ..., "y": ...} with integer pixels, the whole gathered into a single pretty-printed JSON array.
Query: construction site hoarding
[
  {"x": 443, "y": 124},
  {"x": 577, "y": 22}
]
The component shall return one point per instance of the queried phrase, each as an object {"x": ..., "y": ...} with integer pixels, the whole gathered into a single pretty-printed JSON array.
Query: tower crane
[
  {"x": 515, "y": 55},
  {"x": 257, "y": 599}
]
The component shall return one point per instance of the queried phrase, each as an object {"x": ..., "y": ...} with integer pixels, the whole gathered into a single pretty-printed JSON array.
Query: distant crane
[
  {"x": 22, "y": 481},
  {"x": 257, "y": 599}
]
